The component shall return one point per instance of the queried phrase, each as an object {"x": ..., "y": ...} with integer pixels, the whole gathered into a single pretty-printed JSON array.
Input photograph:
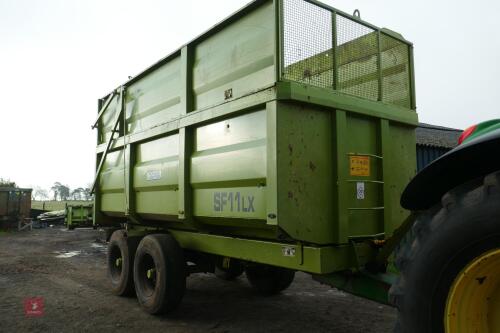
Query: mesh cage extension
[
  {"x": 308, "y": 40},
  {"x": 352, "y": 66},
  {"x": 395, "y": 71},
  {"x": 357, "y": 59}
]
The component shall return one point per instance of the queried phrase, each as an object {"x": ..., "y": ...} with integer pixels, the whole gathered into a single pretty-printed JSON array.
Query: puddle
[
  {"x": 88, "y": 251},
  {"x": 98, "y": 248},
  {"x": 68, "y": 254}
]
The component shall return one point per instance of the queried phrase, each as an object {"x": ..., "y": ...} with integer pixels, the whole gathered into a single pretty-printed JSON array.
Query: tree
[
  {"x": 7, "y": 183},
  {"x": 55, "y": 189},
  {"x": 39, "y": 194},
  {"x": 78, "y": 193},
  {"x": 87, "y": 193},
  {"x": 61, "y": 191},
  {"x": 64, "y": 192}
]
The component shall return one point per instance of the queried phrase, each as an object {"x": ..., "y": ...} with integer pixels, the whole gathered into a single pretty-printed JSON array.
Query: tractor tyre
[{"x": 450, "y": 271}]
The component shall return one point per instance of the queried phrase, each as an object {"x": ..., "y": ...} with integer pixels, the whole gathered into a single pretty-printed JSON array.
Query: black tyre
[
  {"x": 108, "y": 233},
  {"x": 450, "y": 272},
  {"x": 120, "y": 258},
  {"x": 269, "y": 280},
  {"x": 159, "y": 273},
  {"x": 228, "y": 269}
]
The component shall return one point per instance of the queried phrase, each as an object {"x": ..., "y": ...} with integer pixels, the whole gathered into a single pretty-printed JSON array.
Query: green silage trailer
[
  {"x": 280, "y": 140},
  {"x": 283, "y": 136},
  {"x": 78, "y": 216}
]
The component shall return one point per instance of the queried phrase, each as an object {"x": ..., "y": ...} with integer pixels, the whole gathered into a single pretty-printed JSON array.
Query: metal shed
[{"x": 434, "y": 141}]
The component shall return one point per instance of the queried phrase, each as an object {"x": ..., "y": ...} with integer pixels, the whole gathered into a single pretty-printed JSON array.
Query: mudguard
[{"x": 473, "y": 159}]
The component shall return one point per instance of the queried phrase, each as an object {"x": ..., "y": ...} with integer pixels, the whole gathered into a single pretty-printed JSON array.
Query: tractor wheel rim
[{"x": 473, "y": 302}]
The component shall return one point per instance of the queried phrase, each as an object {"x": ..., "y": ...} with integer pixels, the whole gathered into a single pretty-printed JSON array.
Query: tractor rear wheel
[
  {"x": 159, "y": 273},
  {"x": 269, "y": 280},
  {"x": 450, "y": 271}
]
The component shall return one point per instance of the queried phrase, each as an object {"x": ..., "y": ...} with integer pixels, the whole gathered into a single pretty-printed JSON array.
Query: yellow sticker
[{"x": 359, "y": 166}]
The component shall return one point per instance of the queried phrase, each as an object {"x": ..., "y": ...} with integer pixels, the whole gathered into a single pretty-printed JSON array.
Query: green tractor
[{"x": 450, "y": 268}]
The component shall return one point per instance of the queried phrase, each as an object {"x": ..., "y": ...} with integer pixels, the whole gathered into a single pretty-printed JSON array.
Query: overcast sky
[{"x": 57, "y": 57}]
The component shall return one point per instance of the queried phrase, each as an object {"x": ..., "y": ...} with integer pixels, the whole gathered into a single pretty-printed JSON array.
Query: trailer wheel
[
  {"x": 450, "y": 273},
  {"x": 159, "y": 273},
  {"x": 120, "y": 257},
  {"x": 269, "y": 280},
  {"x": 228, "y": 269}
]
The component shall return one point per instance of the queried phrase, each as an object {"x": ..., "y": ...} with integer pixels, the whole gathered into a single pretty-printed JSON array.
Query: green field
[{"x": 52, "y": 205}]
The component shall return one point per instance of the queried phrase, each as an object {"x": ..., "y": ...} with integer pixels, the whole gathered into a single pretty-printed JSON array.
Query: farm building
[
  {"x": 434, "y": 141},
  {"x": 15, "y": 205}
]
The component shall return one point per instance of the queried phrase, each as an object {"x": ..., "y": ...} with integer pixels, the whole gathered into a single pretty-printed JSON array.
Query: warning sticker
[
  {"x": 288, "y": 251},
  {"x": 359, "y": 166},
  {"x": 360, "y": 191}
]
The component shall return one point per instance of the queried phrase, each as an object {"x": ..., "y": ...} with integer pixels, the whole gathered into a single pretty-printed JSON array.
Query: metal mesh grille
[
  {"x": 357, "y": 58},
  {"x": 395, "y": 72},
  {"x": 345, "y": 57},
  {"x": 308, "y": 43}
]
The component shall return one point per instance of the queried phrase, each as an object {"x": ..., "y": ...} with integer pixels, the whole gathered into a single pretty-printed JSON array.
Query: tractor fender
[{"x": 473, "y": 159}]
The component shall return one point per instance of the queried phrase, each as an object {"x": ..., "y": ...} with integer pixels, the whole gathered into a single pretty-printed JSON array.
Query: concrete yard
[{"x": 67, "y": 269}]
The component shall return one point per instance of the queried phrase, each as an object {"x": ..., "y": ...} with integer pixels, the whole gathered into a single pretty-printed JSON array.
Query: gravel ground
[{"x": 67, "y": 269}]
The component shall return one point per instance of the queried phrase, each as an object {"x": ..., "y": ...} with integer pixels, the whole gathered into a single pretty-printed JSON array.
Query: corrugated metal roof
[{"x": 437, "y": 136}]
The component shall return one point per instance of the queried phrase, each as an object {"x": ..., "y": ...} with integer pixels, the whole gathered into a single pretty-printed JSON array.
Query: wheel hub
[
  {"x": 473, "y": 302},
  {"x": 118, "y": 262},
  {"x": 151, "y": 273}
]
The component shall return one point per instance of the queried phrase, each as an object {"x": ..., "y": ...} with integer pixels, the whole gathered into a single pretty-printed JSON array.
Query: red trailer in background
[{"x": 15, "y": 206}]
